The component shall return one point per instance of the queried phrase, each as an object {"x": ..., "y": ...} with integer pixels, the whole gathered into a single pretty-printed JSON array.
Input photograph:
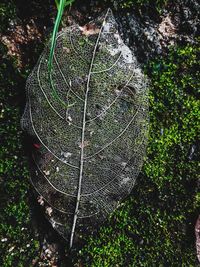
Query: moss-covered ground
[
  {"x": 17, "y": 244},
  {"x": 155, "y": 225}
]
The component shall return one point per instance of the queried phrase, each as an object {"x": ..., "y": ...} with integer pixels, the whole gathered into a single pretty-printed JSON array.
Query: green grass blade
[
  {"x": 60, "y": 6},
  {"x": 55, "y": 30},
  {"x": 57, "y": 3},
  {"x": 69, "y": 2}
]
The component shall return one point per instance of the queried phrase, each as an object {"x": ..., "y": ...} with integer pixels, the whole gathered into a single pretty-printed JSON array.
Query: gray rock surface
[{"x": 147, "y": 32}]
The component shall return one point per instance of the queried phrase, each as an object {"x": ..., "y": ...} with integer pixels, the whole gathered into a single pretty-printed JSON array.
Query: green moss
[
  {"x": 155, "y": 4},
  {"x": 7, "y": 13},
  {"x": 17, "y": 245},
  {"x": 155, "y": 226}
]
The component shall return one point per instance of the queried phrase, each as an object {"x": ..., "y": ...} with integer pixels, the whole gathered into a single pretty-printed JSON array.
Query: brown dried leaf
[{"x": 89, "y": 29}]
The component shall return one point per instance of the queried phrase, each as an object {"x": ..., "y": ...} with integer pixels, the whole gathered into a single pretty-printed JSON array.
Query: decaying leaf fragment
[
  {"x": 89, "y": 29},
  {"x": 90, "y": 150}
]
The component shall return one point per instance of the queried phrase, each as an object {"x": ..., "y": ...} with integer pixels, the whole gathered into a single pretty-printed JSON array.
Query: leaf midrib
[{"x": 83, "y": 134}]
